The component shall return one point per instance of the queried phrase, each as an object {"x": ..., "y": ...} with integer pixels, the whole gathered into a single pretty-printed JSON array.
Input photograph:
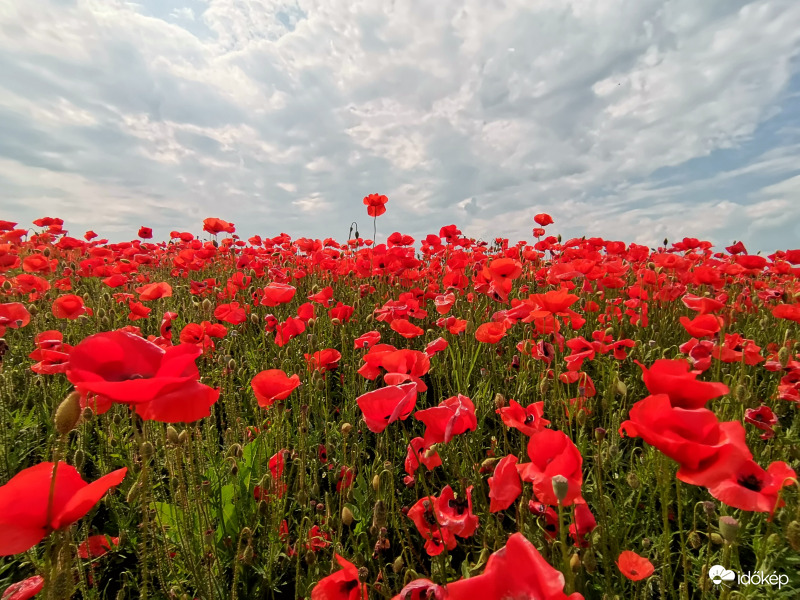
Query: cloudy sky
[{"x": 628, "y": 119}]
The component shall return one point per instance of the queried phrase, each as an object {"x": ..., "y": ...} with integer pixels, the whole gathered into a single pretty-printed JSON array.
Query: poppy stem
[{"x": 562, "y": 534}]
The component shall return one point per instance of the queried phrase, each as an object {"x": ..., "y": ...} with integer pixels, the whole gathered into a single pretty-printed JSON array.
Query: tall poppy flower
[
  {"x": 154, "y": 291},
  {"x": 553, "y": 453},
  {"x": 490, "y": 333},
  {"x": 26, "y": 513},
  {"x": 517, "y": 570},
  {"x": 25, "y": 589},
  {"x": 323, "y": 360},
  {"x": 341, "y": 585},
  {"x": 69, "y": 307},
  {"x": 451, "y": 417},
  {"x": 634, "y": 567},
  {"x": 543, "y": 219},
  {"x": 376, "y": 204},
  {"x": 528, "y": 419},
  {"x": 417, "y": 452},
  {"x": 751, "y": 488},
  {"x": 388, "y": 404},
  {"x": 505, "y": 485},
  {"x": 673, "y": 378},
  {"x": 13, "y": 315},
  {"x": 162, "y": 385},
  {"x": 272, "y": 385}
]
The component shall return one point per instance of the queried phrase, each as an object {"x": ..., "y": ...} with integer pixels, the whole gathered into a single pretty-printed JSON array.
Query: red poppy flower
[
  {"x": 214, "y": 226},
  {"x": 272, "y": 385},
  {"x": 69, "y": 307},
  {"x": 317, "y": 539},
  {"x": 694, "y": 438},
  {"x": 490, "y": 333},
  {"x": 25, "y": 523},
  {"x": 451, "y": 417},
  {"x": 436, "y": 346},
  {"x": 13, "y": 315},
  {"x": 405, "y": 328},
  {"x": 634, "y": 567},
  {"x": 456, "y": 515},
  {"x": 583, "y": 526},
  {"x": 528, "y": 420},
  {"x": 161, "y": 384},
  {"x": 145, "y": 233},
  {"x": 345, "y": 479},
  {"x": 673, "y": 378},
  {"x": 51, "y": 352},
  {"x": 287, "y": 330},
  {"x": 702, "y": 304},
  {"x": 324, "y": 360},
  {"x": 376, "y": 204},
  {"x": 517, "y": 570},
  {"x": 367, "y": 340},
  {"x": 505, "y": 485},
  {"x": 323, "y": 297},
  {"x": 749, "y": 487},
  {"x": 702, "y": 325},
  {"x": 417, "y": 452},
  {"x": 38, "y": 263},
  {"x": 97, "y": 545},
  {"x": 388, "y": 404},
  {"x": 543, "y": 219},
  {"x": 553, "y": 453},
  {"x": 424, "y": 515},
  {"x": 154, "y": 291},
  {"x": 763, "y": 418},
  {"x": 138, "y": 310},
  {"x": 231, "y": 313},
  {"x": 277, "y": 293},
  {"x": 422, "y": 589},
  {"x": 444, "y": 303},
  {"x": 341, "y": 585},
  {"x": 25, "y": 589}
]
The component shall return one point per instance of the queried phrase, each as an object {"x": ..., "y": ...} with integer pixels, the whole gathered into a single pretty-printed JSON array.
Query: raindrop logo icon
[{"x": 718, "y": 574}]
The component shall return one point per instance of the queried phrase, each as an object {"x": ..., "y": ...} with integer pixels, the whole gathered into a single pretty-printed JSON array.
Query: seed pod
[
  {"x": 560, "y": 487},
  {"x": 87, "y": 414},
  {"x": 68, "y": 413}
]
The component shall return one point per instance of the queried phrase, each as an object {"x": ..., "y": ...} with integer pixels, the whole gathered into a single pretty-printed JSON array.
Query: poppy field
[{"x": 439, "y": 418}]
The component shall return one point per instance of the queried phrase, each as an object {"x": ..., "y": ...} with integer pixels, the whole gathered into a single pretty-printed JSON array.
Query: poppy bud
[
  {"x": 346, "y": 429},
  {"x": 589, "y": 562},
  {"x": 633, "y": 480},
  {"x": 544, "y": 386},
  {"x": 379, "y": 514},
  {"x": 499, "y": 401},
  {"x": 581, "y": 418},
  {"x": 134, "y": 492},
  {"x": 621, "y": 389},
  {"x": 646, "y": 543},
  {"x": 174, "y": 483},
  {"x": 575, "y": 563},
  {"x": 7, "y": 286},
  {"x": 32, "y": 308},
  {"x": 694, "y": 540},
  {"x": 793, "y": 535},
  {"x": 254, "y": 318},
  {"x": 231, "y": 364},
  {"x": 335, "y": 321},
  {"x": 183, "y": 437},
  {"x": 172, "y": 435},
  {"x": 398, "y": 564},
  {"x": 709, "y": 508},
  {"x": 716, "y": 539},
  {"x": 87, "y": 414},
  {"x": 206, "y": 486},
  {"x": 312, "y": 322},
  {"x": 784, "y": 356},
  {"x": 560, "y": 487},
  {"x": 729, "y": 528},
  {"x": 376, "y": 483},
  {"x": 147, "y": 451},
  {"x": 599, "y": 434},
  {"x": 68, "y": 413},
  {"x": 206, "y": 304},
  {"x": 78, "y": 459},
  {"x": 247, "y": 554}
]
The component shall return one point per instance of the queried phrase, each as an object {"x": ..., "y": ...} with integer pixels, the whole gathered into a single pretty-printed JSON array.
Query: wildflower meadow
[{"x": 441, "y": 418}]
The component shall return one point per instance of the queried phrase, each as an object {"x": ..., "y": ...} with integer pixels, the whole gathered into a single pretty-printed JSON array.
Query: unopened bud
[
  {"x": 633, "y": 480},
  {"x": 68, "y": 413},
  {"x": 376, "y": 483},
  {"x": 729, "y": 528},
  {"x": 499, "y": 401},
  {"x": 694, "y": 540},
  {"x": 172, "y": 435},
  {"x": 346, "y": 429},
  {"x": 793, "y": 535},
  {"x": 347, "y": 517},
  {"x": 575, "y": 563},
  {"x": 398, "y": 564},
  {"x": 147, "y": 451}
]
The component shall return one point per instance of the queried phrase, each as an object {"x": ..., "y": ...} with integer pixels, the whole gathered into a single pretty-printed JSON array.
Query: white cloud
[{"x": 269, "y": 109}]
